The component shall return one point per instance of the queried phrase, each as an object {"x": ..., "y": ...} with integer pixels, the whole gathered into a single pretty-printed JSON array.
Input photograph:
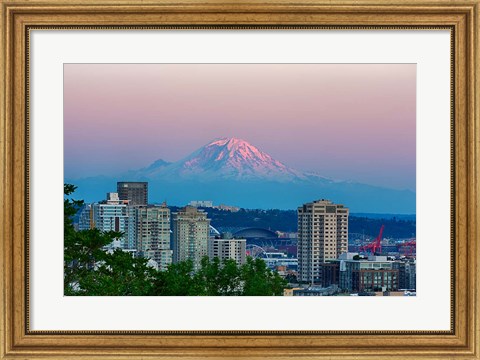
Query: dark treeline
[
  {"x": 286, "y": 220},
  {"x": 394, "y": 228}
]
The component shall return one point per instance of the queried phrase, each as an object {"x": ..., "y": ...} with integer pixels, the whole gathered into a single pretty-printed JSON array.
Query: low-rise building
[
  {"x": 201, "y": 203},
  {"x": 317, "y": 291},
  {"x": 227, "y": 208},
  {"x": 289, "y": 292},
  {"x": 374, "y": 274}
]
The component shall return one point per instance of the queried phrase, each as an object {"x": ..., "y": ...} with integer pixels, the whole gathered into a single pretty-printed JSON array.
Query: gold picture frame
[{"x": 17, "y": 341}]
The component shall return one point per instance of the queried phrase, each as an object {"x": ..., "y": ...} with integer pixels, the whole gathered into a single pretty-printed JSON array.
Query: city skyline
[
  {"x": 354, "y": 121},
  {"x": 182, "y": 254}
]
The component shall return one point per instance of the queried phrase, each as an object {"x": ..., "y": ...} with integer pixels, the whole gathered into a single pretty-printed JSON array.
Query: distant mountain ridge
[{"x": 233, "y": 171}]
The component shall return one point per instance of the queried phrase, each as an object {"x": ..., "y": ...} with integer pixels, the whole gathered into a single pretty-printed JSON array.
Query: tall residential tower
[
  {"x": 135, "y": 192},
  {"x": 322, "y": 236},
  {"x": 190, "y": 235},
  {"x": 153, "y": 234}
]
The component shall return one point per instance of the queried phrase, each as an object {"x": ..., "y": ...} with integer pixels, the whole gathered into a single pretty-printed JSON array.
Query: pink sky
[{"x": 345, "y": 121}]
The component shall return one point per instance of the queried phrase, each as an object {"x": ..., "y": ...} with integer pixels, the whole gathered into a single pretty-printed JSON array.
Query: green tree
[
  {"x": 71, "y": 206},
  {"x": 261, "y": 281},
  {"x": 208, "y": 276},
  {"x": 177, "y": 280},
  {"x": 83, "y": 251},
  {"x": 218, "y": 279},
  {"x": 118, "y": 275},
  {"x": 214, "y": 278},
  {"x": 230, "y": 281}
]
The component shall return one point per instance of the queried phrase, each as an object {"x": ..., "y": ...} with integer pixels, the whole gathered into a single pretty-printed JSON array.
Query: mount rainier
[{"x": 235, "y": 172}]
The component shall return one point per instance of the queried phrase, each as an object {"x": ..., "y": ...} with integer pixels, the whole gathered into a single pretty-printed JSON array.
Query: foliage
[
  {"x": 259, "y": 280},
  {"x": 119, "y": 274},
  {"x": 214, "y": 278},
  {"x": 176, "y": 281},
  {"x": 91, "y": 270},
  {"x": 70, "y": 208}
]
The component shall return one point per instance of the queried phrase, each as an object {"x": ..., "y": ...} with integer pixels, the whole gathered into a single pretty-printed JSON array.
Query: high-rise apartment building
[
  {"x": 130, "y": 242},
  {"x": 190, "y": 228},
  {"x": 135, "y": 192},
  {"x": 228, "y": 248},
  {"x": 153, "y": 234},
  {"x": 85, "y": 218},
  {"x": 322, "y": 236},
  {"x": 111, "y": 215}
]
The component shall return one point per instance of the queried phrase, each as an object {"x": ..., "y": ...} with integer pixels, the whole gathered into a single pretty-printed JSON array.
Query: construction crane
[
  {"x": 409, "y": 247},
  {"x": 376, "y": 245}
]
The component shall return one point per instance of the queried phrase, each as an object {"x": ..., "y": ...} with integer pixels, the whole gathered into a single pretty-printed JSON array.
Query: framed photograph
[{"x": 271, "y": 179}]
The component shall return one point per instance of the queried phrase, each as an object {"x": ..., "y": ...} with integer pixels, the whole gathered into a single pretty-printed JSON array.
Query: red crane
[
  {"x": 376, "y": 245},
  {"x": 410, "y": 246}
]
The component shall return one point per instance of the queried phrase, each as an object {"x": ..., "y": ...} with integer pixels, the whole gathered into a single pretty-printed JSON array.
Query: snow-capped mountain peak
[{"x": 230, "y": 158}]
